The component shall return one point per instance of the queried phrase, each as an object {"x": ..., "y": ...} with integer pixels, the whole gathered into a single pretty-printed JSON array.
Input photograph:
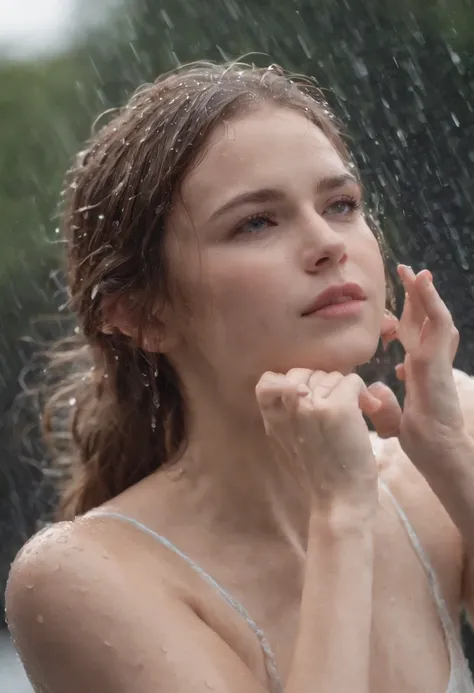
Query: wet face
[{"x": 267, "y": 220}]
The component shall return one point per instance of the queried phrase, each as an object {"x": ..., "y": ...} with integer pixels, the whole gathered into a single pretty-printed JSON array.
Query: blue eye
[
  {"x": 343, "y": 207},
  {"x": 254, "y": 224}
]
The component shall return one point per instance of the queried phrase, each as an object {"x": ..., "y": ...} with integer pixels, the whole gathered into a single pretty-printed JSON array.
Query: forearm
[
  {"x": 333, "y": 643},
  {"x": 451, "y": 476}
]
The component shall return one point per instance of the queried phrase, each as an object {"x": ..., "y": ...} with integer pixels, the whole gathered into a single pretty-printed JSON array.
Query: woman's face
[{"x": 266, "y": 221}]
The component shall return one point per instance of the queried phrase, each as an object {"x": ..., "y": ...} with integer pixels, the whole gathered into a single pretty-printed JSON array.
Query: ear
[
  {"x": 124, "y": 314},
  {"x": 389, "y": 328}
]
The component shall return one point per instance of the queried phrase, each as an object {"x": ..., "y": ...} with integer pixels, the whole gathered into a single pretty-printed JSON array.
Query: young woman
[{"x": 230, "y": 527}]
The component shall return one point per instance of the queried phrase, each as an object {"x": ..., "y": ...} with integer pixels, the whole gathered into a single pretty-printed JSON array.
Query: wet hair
[{"x": 118, "y": 412}]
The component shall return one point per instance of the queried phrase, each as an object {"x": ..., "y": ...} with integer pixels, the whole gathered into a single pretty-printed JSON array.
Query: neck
[{"x": 241, "y": 481}]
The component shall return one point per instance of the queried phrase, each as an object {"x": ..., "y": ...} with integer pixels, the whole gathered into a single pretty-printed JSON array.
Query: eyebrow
[{"x": 325, "y": 184}]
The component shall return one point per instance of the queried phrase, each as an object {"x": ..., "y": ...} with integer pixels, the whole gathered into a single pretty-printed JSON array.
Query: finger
[
  {"x": 413, "y": 314},
  {"x": 322, "y": 384},
  {"x": 388, "y": 329},
  {"x": 299, "y": 375},
  {"x": 435, "y": 308},
  {"x": 400, "y": 371},
  {"x": 386, "y": 419},
  {"x": 271, "y": 391},
  {"x": 352, "y": 388},
  {"x": 407, "y": 276}
]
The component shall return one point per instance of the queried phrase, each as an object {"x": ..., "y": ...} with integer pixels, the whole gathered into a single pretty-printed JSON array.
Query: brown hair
[{"x": 118, "y": 413}]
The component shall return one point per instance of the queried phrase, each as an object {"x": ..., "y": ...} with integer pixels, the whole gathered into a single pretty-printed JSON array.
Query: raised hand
[
  {"x": 431, "y": 421},
  {"x": 315, "y": 419}
]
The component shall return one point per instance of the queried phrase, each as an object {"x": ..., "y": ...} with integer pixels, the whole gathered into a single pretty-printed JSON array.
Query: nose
[{"x": 322, "y": 246}]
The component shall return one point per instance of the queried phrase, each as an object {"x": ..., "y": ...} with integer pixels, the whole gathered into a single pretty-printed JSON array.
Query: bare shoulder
[{"x": 81, "y": 622}]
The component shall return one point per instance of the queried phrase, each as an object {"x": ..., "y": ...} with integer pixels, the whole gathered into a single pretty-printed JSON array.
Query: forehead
[{"x": 269, "y": 147}]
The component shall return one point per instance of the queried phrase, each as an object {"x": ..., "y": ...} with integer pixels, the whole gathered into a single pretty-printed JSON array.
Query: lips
[{"x": 340, "y": 293}]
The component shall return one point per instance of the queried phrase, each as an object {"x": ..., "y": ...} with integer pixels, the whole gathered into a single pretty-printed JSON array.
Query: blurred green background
[{"x": 400, "y": 74}]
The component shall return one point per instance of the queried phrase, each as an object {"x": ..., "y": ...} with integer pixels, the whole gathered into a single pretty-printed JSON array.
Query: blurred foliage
[{"x": 400, "y": 74}]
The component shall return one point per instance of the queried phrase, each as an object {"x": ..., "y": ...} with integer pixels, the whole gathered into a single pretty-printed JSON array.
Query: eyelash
[{"x": 353, "y": 203}]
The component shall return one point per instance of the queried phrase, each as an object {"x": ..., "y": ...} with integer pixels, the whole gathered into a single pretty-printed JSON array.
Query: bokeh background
[{"x": 401, "y": 75}]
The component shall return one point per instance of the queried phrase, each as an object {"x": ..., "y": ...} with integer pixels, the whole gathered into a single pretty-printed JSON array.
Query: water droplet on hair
[
  {"x": 56, "y": 230},
  {"x": 39, "y": 618},
  {"x": 101, "y": 217},
  {"x": 72, "y": 401}
]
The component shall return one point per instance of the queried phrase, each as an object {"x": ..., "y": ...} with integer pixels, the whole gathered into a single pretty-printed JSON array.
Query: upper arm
[
  {"x": 468, "y": 589},
  {"x": 465, "y": 388},
  {"x": 79, "y": 625}
]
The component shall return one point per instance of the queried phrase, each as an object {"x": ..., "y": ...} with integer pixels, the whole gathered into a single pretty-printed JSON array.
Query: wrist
[
  {"x": 450, "y": 456},
  {"x": 340, "y": 520}
]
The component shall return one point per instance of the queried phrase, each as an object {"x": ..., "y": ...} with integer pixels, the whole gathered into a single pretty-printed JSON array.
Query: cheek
[
  {"x": 246, "y": 286},
  {"x": 369, "y": 257},
  {"x": 229, "y": 296}
]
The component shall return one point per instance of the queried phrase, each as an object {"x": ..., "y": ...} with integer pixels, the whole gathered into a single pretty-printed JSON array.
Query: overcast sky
[{"x": 33, "y": 27}]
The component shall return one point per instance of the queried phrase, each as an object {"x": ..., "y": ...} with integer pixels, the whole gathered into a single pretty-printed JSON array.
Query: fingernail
[{"x": 427, "y": 278}]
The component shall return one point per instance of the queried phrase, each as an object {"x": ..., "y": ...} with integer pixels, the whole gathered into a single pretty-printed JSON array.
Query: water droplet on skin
[
  {"x": 40, "y": 618},
  {"x": 107, "y": 643}
]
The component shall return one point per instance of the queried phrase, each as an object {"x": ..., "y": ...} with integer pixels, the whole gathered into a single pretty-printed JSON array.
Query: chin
[{"x": 343, "y": 354}]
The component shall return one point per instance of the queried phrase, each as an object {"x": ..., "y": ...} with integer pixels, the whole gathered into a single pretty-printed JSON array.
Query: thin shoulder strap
[
  {"x": 460, "y": 680},
  {"x": 269, "y": 658},
  {"x": 422, "y": 555}
]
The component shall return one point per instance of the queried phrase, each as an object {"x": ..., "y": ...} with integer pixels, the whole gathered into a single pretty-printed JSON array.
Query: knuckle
[
  {"x": 421, "y": 360},
  {"x": 355, "y": 380},
  {"x": 298, "y": 375}
]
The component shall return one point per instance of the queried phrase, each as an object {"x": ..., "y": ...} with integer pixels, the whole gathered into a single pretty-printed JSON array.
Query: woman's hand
[
  {"x": 431, "y": 422},
  {"x": 315, "y": 419}
]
